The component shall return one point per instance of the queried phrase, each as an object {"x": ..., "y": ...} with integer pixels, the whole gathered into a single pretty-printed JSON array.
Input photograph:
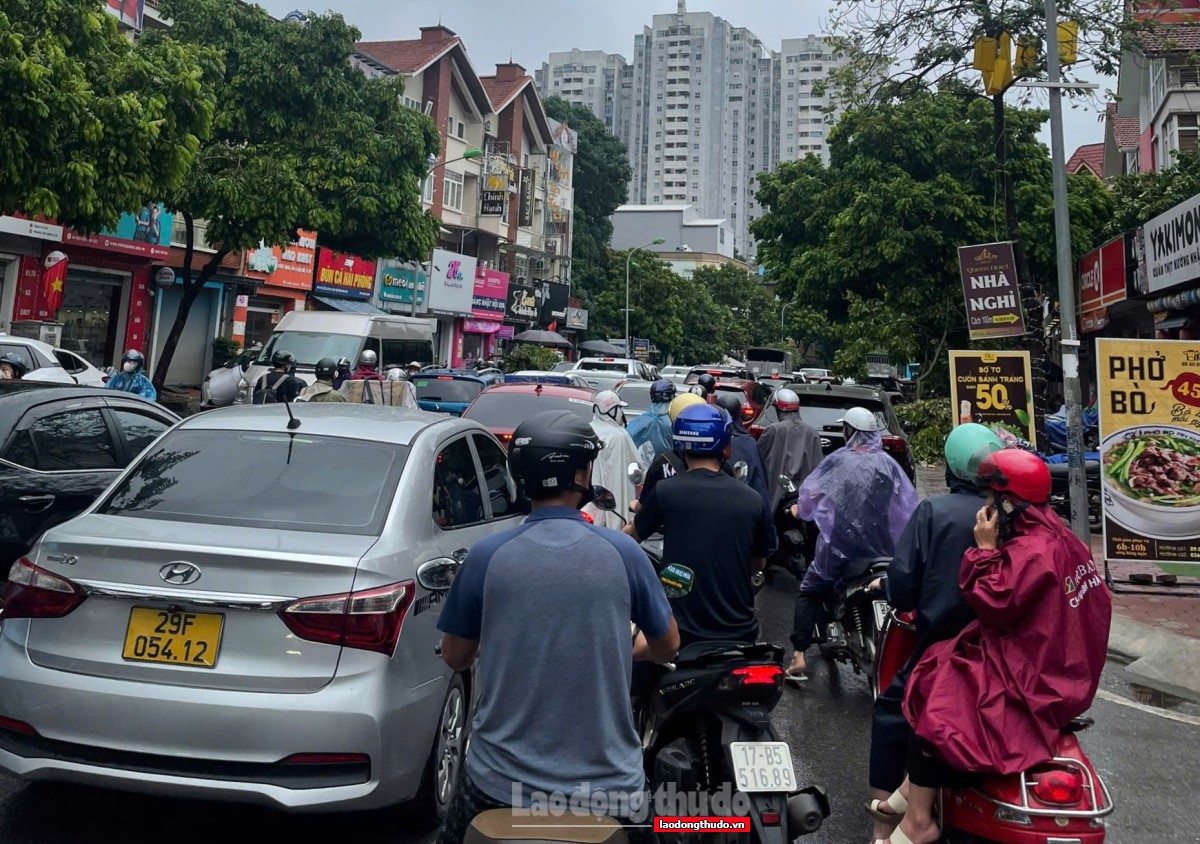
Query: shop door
[
  {"x": 90, "y": 314},
  {"x": 261, "y": 318},
  {"x": 191, "y": 360}
]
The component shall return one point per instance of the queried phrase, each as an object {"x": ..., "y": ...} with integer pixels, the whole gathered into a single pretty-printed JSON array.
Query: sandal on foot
[
  {"x": 798, "y": 677},
  {"x": 898, "y": 837},
  {"x": 895, "y": 802}
]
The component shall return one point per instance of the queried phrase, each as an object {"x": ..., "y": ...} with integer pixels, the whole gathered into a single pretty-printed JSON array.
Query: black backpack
[{"x": 265, "y": 392}]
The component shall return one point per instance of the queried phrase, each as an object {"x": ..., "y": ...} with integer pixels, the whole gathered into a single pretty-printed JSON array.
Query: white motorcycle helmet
[
  {"x": 609, "y": 404},
  {"x": 861, "y": 419}
]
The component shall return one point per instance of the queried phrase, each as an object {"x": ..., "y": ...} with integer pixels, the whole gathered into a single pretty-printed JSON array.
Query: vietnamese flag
[{"x": 53, "y": 277}]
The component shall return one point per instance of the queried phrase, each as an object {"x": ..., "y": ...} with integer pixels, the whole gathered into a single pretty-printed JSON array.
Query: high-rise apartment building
[
  {"x": 704, "y": 107},
  {"x": 589, "y": 78}
]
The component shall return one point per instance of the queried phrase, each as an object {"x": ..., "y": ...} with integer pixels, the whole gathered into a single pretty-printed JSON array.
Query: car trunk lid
[{"x": 145, "y": 579}]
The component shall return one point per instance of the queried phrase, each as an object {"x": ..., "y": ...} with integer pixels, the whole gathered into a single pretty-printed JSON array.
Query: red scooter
[{"x": 1063, "y": 801}]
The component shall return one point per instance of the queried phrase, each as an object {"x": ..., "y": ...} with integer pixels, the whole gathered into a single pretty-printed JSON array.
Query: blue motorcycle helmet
[
  {"x": 662, "y": 391},
  {"x": 701, "y": 429}
]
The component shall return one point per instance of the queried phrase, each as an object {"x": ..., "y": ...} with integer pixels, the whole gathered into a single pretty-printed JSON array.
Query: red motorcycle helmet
[{"x": 1017, "y": 473}]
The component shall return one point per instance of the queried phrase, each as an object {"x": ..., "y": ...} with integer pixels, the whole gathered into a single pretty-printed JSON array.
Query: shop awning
[
  {"x": 1171, "y": 322},
  {"x": 349, "y": 306}
]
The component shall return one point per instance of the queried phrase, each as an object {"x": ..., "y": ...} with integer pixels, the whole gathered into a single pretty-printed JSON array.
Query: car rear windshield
[
  {"x": 308, "y": 347},
  {"x": 637, "y": 394},
  {"x": 447, "y": 388},
  {"x": 263, "y": 479},
  {"x": 604, "y": 366},
  {"x": 825, "y": 412},
  {"x": 508, "y": 410}
]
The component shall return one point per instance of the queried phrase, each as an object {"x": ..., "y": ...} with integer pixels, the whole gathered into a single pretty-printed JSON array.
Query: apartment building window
[
  {"x": 427, "y": 191},
  {"x": 409, "y": 102},
  {"x": 696, "y": 159},
  {"x": 1184, "y": 128},
  {"x": 452, "y": 191}
]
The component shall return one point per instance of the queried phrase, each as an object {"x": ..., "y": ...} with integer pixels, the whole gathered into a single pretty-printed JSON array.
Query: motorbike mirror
[
  {"x": 787, "y": 483},
  {"x": 741, "y": 470},
  {"x": 676, "y": 580},
  {"x": 603, "y": 499},
  {"x": 636, "y": 474},
  {"x": 437, "y": 575}
]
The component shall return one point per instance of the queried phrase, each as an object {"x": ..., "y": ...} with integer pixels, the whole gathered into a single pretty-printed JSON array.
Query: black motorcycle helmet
[
  {"x": 547, "y": 449},
  {"x": 343, "y": 365},
  {"x": 662, "y": 391},
  {"x": 730, "y": 403},
  {"x": 325, "y": 369},
  {"x": 708, "y": 382},
  {"x": 19, "y": 367},
  {"x": 283, "y": 358}
]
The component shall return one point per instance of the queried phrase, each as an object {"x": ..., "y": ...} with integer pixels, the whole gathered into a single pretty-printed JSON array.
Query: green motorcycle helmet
[{"x": 966, "y": 447}]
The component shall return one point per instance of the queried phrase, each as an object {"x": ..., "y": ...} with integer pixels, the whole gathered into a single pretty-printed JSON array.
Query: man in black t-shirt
[
  {"x": 712, "y": 523},
  {"x": 278, "y": 385}
]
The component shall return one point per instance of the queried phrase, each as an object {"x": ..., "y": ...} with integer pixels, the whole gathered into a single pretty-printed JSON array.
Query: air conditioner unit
[{"x": 428, "y": 107}]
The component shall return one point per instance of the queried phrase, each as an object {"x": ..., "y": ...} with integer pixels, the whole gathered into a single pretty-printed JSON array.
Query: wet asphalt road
[{"x": 1149, "y": 762}]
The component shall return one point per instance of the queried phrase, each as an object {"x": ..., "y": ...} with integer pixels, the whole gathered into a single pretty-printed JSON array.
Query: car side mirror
[
  {"x": 741, "y": 470},
  {"x": 636, "y": 474},
  {"x": 437, "y": 575}
]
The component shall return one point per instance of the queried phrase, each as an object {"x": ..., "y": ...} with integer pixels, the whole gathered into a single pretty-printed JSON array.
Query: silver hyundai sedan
[{"x": 238, "y": 617}]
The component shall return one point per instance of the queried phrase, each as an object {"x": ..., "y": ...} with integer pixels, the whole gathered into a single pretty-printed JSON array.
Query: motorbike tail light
[
  {"x": 770, "y": 818},
  {"x": 1057, "y": 786},
  {"x": 747, "y": 412},
  {"x": 757, "y": 675},
  {"x": 33, "y": 592},
  {"x": 368, "y": 620},
  {"x": 894, "y": 443},
  {"x": 505, "y": 439},
  {"x": 587, "y": 517}
]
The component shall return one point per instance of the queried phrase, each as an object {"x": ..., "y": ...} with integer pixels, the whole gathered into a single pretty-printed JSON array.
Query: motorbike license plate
[
  {"x": 177, "y": 638},
  {"x": 881, "y": 613},
  {"x": 762, "y": 766}
]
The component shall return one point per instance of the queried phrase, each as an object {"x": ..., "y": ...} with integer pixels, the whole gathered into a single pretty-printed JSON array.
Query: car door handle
[
  {"x": 36, "y": 503},
  {"x": 459, "y": 555}
]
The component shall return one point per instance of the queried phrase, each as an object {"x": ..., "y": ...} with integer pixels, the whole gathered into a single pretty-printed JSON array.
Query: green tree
[
  {"x": 653, "y": 302},
  {"x": 601, "y": 183},
  {"x": 754, "y": 314},
  {"x": 92, "y": 125},
  {"x": 301, "y": 140},
  {"x": 870, "y": 242},
  {"x": 1140, "y": 197}
]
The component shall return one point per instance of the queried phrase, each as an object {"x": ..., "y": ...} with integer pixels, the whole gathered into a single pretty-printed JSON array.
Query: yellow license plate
[{"x": 178, "y": 638}]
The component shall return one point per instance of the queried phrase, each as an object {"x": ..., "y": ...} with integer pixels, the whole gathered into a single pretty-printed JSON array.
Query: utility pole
[{"x": 1072, "y": 391}]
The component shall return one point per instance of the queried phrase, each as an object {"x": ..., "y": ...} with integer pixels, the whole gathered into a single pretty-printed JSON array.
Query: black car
[
  {"x": 60, "y": 447},
  {"x": 822, "y": 405}
]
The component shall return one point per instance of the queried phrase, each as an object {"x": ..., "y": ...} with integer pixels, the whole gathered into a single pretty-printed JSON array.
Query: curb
[{"x": 1166, "y": 662}]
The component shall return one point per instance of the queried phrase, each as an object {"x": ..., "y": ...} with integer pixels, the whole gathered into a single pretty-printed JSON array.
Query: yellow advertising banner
[
  {"x": 993, "y": 389},
  {"x": 1150, "y": 451}
]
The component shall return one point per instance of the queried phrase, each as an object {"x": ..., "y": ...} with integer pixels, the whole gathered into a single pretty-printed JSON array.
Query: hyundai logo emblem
[{"x": 180, "y": 574}]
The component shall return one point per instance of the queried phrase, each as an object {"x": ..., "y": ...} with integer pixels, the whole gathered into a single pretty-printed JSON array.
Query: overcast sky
[{"x": 529, "y": 30}]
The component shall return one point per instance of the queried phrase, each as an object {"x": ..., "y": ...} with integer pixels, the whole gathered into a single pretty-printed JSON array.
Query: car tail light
[
  {"x": 325, "y": 759},
  {"x": 33, "y": 592},
  {"x": 757, "y": 675},
  {"x": 15, "y": 726},
  {"x": 369, "y": 620},
  {"x": 445, "y": 378},
  {"x": 894, "y": 443},
  {"x": 505, "y": 439},
  {"x": 587, "y": 517},
  {"x": 1057, "y": 786},
  {"x": 747, "y": 412}
]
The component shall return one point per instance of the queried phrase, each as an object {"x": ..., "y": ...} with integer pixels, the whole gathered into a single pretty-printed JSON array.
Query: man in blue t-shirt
[{"x": 552, "y": 601}]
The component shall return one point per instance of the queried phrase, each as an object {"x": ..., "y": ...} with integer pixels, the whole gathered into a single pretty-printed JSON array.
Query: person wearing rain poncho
[
  {"x": 651, "y": 432},
  {"x": 860, "y": 500},
  {"x": 611, "y": 467},
  {"x": 132, "y": 377}
]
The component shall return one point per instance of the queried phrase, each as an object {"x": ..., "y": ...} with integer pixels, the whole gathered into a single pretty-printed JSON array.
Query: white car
[
  {"x": 38, "y": 356},
  {"x": 675, "y": 374},
  {"x": 80, "y": 369}
]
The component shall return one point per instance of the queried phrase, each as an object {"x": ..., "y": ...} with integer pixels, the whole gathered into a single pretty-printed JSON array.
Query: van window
[
  {"x": 403, "y": 352},
  {"x": 310, "y": 346}
]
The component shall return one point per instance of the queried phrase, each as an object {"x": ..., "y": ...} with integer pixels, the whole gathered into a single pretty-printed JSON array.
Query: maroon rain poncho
[{"x": 993, "y": 699}]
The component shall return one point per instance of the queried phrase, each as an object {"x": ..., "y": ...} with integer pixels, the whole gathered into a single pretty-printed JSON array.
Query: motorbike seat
[
  {"x": 1078, "y": 725},
  {"x": 698, "y": 652},
  {"x": 500, "y": 825},
  {"x": 1063, "y": 470},
  {"x": 866, "y": 569}
]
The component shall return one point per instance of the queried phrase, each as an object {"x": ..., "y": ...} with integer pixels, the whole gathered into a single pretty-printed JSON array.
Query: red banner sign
[
  {"x": 347, "y": 276},
  {"x": 1102, "y": 276}
]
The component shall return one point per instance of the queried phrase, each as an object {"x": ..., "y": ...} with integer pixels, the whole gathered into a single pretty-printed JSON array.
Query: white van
[{"x": 312, "y": 335}]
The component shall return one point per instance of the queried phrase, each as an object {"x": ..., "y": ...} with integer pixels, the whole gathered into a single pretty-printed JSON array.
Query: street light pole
[
  {"x": 783, "y": 313},
  {"x": 628, "y": 261},
  {"x": 1072, "y": 392}
]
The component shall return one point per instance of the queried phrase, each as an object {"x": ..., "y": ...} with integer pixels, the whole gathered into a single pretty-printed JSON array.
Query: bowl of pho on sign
[{"x": 1152, "y": 480}]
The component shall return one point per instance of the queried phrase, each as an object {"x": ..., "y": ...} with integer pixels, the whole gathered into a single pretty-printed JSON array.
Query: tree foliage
[
  {"x": 94, "y": 125},
  {"x": 1139, "y": 197},
  {"x": 301, "y": 140},
  {"x": 870, "y": 241},
  {"x": 754, "y": 312},
  {"x": 601, "y": 183}
]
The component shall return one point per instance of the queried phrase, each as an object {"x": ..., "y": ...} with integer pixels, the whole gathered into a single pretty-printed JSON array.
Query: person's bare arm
[
  {"x": 630, "y": 530},
  {"x": 459, "y": 653},
  {"x": 664, "y": 648}
]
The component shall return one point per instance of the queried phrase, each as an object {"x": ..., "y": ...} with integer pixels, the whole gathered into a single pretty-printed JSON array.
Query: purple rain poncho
[{"x": 860, "y": 500}]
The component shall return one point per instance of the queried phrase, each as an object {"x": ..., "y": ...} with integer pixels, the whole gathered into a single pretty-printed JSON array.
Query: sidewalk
[{"x": 1157, "y": 635}]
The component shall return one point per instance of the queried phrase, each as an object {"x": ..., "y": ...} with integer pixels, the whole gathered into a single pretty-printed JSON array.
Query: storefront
[
  {"x": 478, "y": 337},
  {"x": 451, "y": 289},
  {"x": 22, "y": 243},
  {"x": 344, "y": 283},
  {"x": 285, "y": 278},
  {"x": 521, "y": 307}
]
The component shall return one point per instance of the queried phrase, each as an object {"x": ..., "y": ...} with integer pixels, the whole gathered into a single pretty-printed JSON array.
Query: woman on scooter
[{"x": 994, "y": 699}]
